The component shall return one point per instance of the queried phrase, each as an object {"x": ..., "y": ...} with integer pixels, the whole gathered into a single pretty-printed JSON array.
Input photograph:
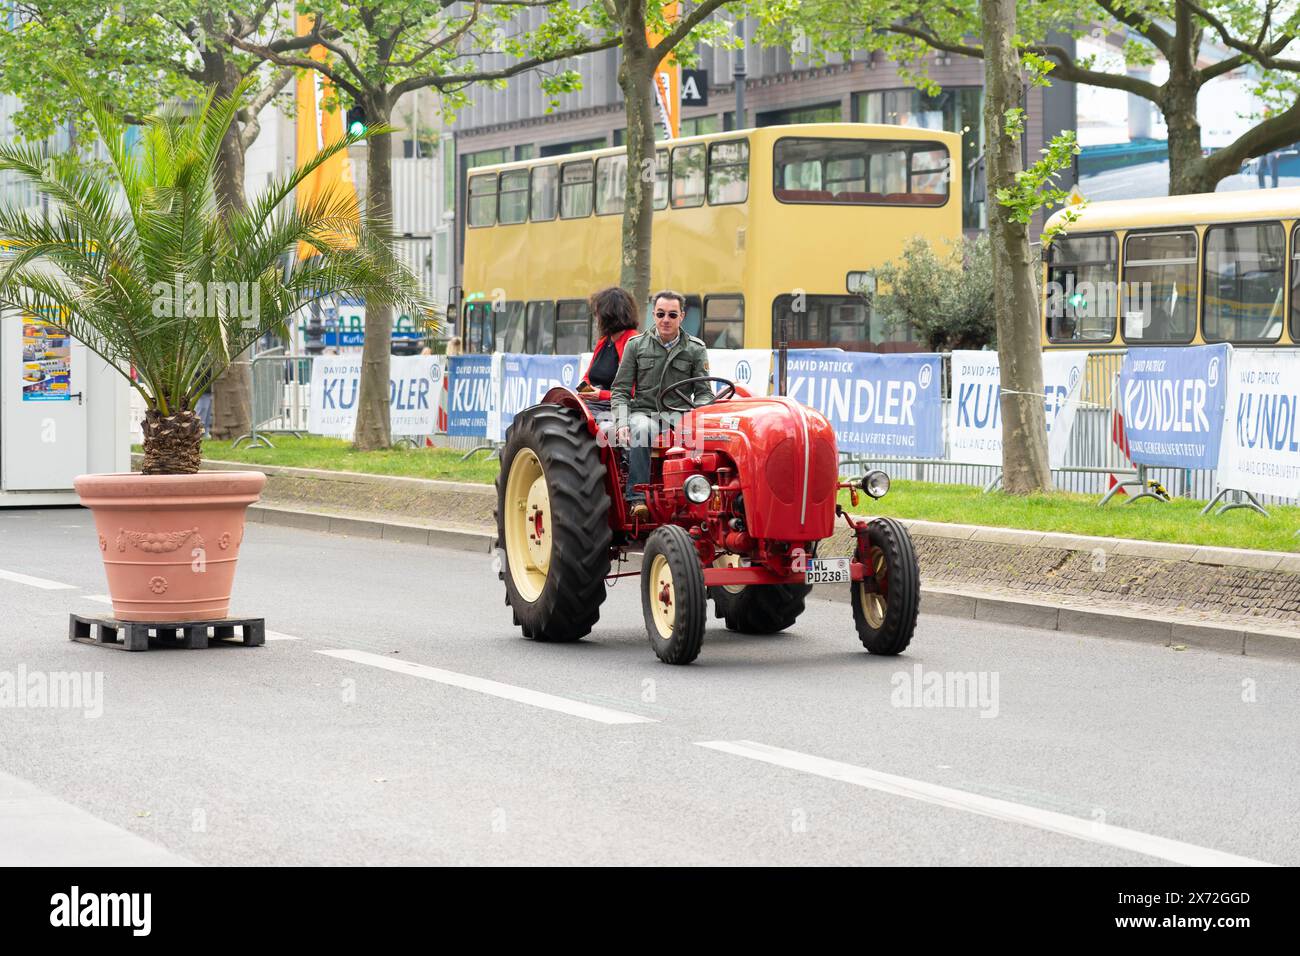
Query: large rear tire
[
  {"x": 673, "y": 598},
  {"x": 553, "y": 524},
  {"x": 885, "y": 610},
  {"x": 757, "y": 608}
]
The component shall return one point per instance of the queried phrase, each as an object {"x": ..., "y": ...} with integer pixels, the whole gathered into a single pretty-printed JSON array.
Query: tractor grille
[
  {"x": 785, "y": 471},
  {"x": 825, "y": 471}
]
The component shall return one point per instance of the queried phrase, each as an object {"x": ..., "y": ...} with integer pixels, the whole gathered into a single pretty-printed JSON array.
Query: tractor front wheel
[
  {"x": 673, "y": 596},
  {"x": 885, "y": 606},
  {"x": 552, "y": 524}
]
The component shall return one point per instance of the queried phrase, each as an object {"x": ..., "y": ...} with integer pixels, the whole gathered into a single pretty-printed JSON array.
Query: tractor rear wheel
[
  {"x": 552, "y": 524},
  {"x": 885, "y": 607},
  {"x": 673, "y": 598},
  {"x": 757, "y": 608}
]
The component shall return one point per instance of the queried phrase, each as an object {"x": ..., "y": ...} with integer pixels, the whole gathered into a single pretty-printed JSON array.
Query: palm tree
[{"x": 141, "y": 262}]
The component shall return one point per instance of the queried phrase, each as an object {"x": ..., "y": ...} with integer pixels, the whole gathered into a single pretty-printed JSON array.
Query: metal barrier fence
[
  {"x": 1093, "y": 457},
  {"x": 281, "y": 396}
]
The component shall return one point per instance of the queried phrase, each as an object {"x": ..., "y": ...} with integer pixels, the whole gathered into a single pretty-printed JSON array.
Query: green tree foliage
[{"x": 944, "y": 295}]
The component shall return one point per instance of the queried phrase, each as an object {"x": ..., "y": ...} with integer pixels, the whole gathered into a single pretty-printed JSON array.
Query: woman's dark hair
[{"x": 614, "y": 310}]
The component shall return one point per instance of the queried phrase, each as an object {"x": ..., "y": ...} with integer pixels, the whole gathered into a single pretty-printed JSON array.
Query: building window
[
  {"x": 577, "y": 146},
  {"x": 1082, "y": 295},
  {"x": 572, "y": 328},
  {"x": 1159, "y": 293},
  {"x": 724, "y": 322},
  {"x": 861, "y": 171},
  {"x": 542, "y": 200},
  {"x": 1243, "y": 283},
  {"x": 611, "y": 184},
  {"x": 575, "y": 190},
  {"x": 824, "y": 113},
  {"x": 483, "y": 200},
  {"x": 513, "y": 204},
  {"x": 688, "y": 176},
  {"x": 701, "y": 125},
  {"x": 728, "y": 172}
]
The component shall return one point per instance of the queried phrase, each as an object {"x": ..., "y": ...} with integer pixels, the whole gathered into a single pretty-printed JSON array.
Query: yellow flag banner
[
  {"x": 668, "y": 79},
  {"x": 317, "y": 126}
]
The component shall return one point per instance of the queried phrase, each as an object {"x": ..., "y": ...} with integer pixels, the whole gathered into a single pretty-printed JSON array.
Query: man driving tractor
[{"x": 652, "y": 361}]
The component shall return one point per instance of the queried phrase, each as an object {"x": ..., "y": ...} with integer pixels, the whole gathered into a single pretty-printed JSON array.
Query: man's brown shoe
[{"x": 640, "y": 512}]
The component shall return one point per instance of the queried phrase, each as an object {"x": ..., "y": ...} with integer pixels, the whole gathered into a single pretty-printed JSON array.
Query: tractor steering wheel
[{"x": 728, "y": 391}]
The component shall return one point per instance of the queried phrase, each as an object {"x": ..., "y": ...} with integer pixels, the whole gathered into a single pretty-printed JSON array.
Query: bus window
[
  {"x": 473, "y": 329},
  {"x": 688, "y": 176},
  {"x": 661, "y": 179},
  {"x": 483, "y": 200},
  {"x": 724, "y": 322},
  {"x": 1243, "y": 283},
  {"x": 611, "y": 184},
  {"x": 514, "y": 197},
  {"x": 510, "y": 327},
  {"x": 572, "y": 327},
  {"x": 540, "y": 323},
  {"x": 543, "y": 193},
  {"x": 861, "y": 171},
  {"x": 693, "y": 318},
  {"x": 575, "y": 190},
  {"x": 1158, "y": 299},
  {"x": 1082, "y": 295},
  {"x": 837, "y": 321},
  {"x": 728, "y": 172}
]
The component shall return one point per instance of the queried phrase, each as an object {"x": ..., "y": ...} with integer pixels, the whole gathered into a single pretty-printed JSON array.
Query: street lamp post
[{"x": 738, "y": 74}]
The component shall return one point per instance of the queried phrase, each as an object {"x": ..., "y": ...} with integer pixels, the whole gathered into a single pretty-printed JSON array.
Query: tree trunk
[
  {"x": 173, "y": 444},
  {"x": 1025, "y": 465},
  {"x": 1188, "y": 171},
  {"x": 232, "y": 392},
  {"x": 373, "y": 428},
  {"x": 636, "y": 78}
]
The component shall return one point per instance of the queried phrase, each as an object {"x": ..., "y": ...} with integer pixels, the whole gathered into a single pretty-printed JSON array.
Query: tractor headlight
[
  {"x": 697, "y": 489},
  {"x": 875, "y": 483}
]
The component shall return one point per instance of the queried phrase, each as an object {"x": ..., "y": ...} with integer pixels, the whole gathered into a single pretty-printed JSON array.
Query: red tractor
[{"x": 739, "y": 498}]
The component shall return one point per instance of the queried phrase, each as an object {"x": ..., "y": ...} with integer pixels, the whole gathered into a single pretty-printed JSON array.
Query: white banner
[
  {"x": 975, "y": 412},
  {"x": 1260, "y": 447},
  {"x": 750, "y": 368},
  {"x": 414, "y": 390}
]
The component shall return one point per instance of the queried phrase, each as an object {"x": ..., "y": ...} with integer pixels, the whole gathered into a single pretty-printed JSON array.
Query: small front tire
[
  {"x": 673, "y": 597},
  {"x": 885, "y": 609}
]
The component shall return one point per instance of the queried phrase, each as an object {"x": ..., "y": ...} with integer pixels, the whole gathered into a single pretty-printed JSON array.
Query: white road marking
[
  {"x": 522, "y": 695},
  {"x": 43, "y": 583},
  {"x": 100, "y": 598},
  {"x": 1090, "y": 830},
  {"x": 277, "y": 636}
]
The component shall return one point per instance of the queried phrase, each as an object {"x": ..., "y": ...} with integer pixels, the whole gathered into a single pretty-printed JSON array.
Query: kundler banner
[
  {"x": 1261, "y": 431},
  {"x": 1173, "y": 402},
  {"x": 885, "y": 405},
  {"x": 469, "y": 392},
  {"x": 525, "y": 380},
  {"x": 414, "y": 386},
  {"x": 975, "y": 413}
]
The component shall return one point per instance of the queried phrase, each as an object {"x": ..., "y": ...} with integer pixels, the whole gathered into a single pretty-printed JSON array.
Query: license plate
[{"x": 827, "y": 571}]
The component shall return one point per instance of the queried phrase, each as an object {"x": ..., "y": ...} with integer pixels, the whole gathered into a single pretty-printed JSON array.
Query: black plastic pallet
[{"x": 141, "y": 635}]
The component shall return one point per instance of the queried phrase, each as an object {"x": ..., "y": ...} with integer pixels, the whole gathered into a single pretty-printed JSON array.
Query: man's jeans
[{"x": 644, "y": 429}]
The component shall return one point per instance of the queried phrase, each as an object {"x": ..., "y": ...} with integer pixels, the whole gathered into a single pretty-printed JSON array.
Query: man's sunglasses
[{"x": 661, "y": 314}]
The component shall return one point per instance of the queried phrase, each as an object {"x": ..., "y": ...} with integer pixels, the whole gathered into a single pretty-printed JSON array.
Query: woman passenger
[{"x": 616, "y": 320}]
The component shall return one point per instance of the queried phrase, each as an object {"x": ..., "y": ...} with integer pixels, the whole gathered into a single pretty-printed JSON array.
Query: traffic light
[{"x": 356, "y": 120}]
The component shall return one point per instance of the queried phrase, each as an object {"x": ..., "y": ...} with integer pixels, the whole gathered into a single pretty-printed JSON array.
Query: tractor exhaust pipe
[{"x": 782, "y": 358}]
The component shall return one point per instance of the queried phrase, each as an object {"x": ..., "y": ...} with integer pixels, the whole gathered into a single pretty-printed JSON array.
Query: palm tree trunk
[
  {"x": 173, "y": 444},
  {"x": 1025, "y": 466},
  {"x": 373, "y": 427}
]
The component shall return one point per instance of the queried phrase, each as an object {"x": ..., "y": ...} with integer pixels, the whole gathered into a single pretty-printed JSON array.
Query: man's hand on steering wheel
[{"x": 677, "y": 390}]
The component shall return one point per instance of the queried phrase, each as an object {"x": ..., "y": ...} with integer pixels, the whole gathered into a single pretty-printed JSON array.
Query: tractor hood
[{"x": 787, "y": 461}]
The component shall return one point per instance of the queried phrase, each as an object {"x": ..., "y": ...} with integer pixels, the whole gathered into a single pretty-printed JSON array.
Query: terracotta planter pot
[{"x": 170, "y": 542}]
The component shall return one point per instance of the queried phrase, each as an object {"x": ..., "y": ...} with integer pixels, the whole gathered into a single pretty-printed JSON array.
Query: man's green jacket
[{"x": 648, "y": 367}]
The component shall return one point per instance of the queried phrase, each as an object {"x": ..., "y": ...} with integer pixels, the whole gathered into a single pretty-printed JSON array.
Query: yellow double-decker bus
[
  {"x": 755, "y": 227},
  {"x": 1176, "y": 270}
]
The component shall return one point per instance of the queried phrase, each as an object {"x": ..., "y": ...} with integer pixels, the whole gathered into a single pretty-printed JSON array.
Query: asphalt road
[{"x": 399, "y": 718}]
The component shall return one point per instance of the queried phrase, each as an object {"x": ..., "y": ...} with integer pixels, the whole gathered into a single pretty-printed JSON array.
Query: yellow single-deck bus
[
  {"x": 753, "y": 226},
  {"x": 1176, "y": 270}
]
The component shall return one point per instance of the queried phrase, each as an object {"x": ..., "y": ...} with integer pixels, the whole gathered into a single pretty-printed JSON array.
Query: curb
[{"x": 946, "y": 602}]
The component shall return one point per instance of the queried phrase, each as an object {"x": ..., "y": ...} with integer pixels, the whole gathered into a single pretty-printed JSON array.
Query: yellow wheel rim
[
  {"x": 662, "y": 599},
  {"x": 730, "y": 561},
  {"x": 526, "y": 516},
  {"x": 875, "y": 602}
]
